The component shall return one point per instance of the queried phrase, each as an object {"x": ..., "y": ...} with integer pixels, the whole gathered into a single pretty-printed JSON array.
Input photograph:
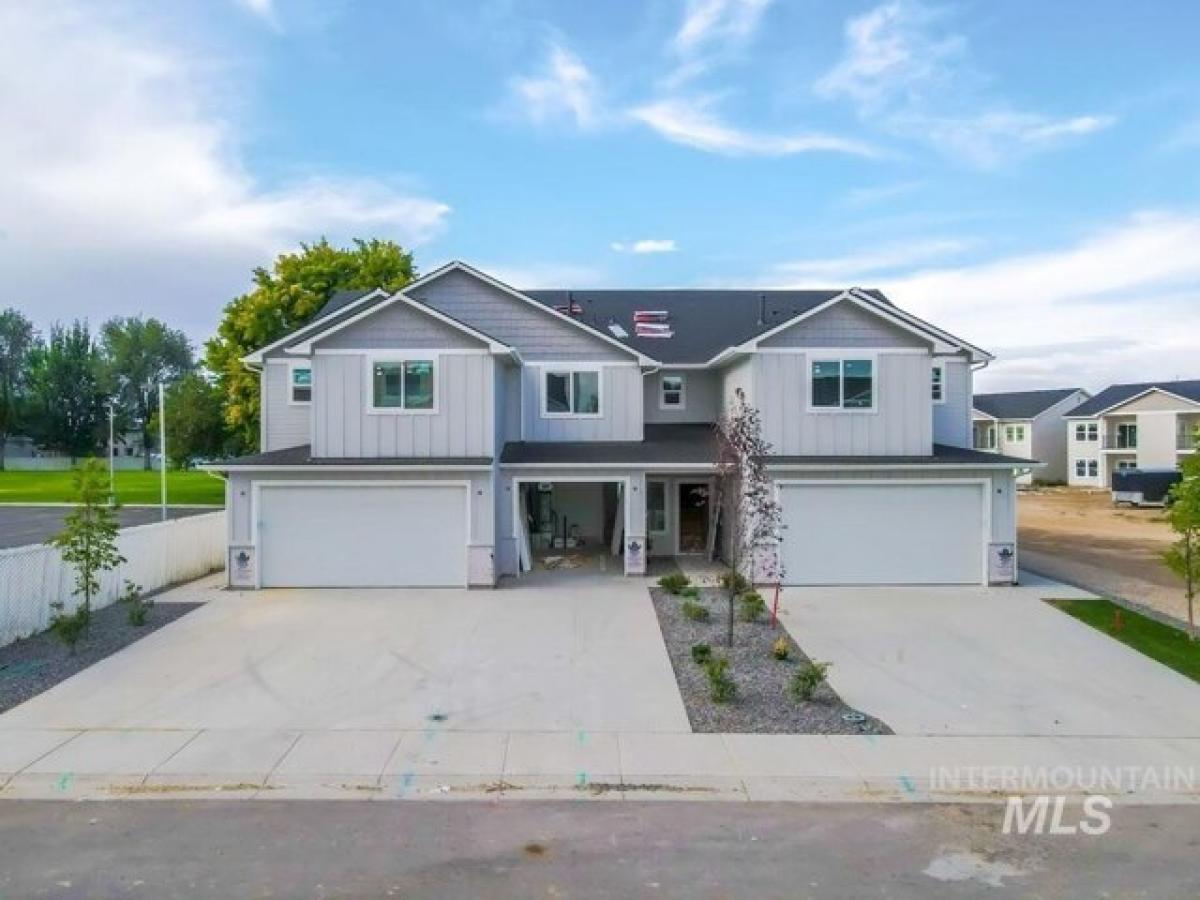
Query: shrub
[
  {"x": 753, "y": 606},
  {"x": 809, "y": 677},
  {"x": 674, "y": 582},
  {"x": 781, "y": 649},
  {"x": 734, "y": 582},
  {"x": 691, "y": 592},
  {"x": 69, "y": 627},
  {"x": 694, "y": 612},
  {"x": 721, "y": 686},
  {"x": 701, "y": 653},
  {"x": 139, "y": 607}
]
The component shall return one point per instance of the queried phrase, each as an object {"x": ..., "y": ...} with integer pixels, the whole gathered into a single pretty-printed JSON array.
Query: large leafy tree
[
  {"x": 66, "y": 397},
  {"x": 138, "y": 355},
  {"x": 285, "y": 297},
  {"x": 195, "y": 425},
  {"x": 16, "y": 340}
]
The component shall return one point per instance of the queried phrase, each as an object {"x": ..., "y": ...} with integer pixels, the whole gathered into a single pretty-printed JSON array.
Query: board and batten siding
[
  {"x": 900, "y": 424},
  {"x": 620, "y": 416},
  {"x": 283, "y": 424},
  {"x": 952, "y": 419},
  {"x": 462, "y": 426},
  {"x": 702, "y": 397},
  {"x": 535, "y": 333}
]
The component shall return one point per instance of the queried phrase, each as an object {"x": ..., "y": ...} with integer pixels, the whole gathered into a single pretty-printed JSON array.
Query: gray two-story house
[{"x": 461, "y": 430}]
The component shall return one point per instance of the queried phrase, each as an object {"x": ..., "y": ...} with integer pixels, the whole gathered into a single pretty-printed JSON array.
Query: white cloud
[
  {"x": 564, "y": 89},
  {"x": 123, "y": 190},
  {"x": 906, "y": 74},
  {"x": 1119, "y": 305},
  {"x": 711, "y": 31},
  {"x": 694, "y": 124},
  {"x": 647, "y": 245},
  {"x": 264, "y": 9},
  {"x": 853, "y": 268}
]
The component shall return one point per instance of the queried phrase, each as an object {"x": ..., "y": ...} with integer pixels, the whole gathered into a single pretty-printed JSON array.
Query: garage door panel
[
  {"x": 883, "y": 533},
  {"x": 362, "y": 535}
]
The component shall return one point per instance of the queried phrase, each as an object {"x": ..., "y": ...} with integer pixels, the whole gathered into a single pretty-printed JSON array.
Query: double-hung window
[
  {"x": 299, "y": 383},
  {"x": 571, "y": 393},
  {"x": 842, "y": 384},
  {"x": 938, "y": 386},
  {"x": 673, "y": 395},
  {"x": 403, "y": 385}
]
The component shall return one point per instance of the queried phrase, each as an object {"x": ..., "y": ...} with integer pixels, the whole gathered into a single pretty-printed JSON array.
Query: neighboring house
[
  {"x": 460, "y": 430},
  {"x": 1028, "y": 424},
  {"x": 1149, "y": 426}
]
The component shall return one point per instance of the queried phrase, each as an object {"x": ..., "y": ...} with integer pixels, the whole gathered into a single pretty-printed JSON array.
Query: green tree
[
  {"x": 285, "y": 297},
  {"x": 16, "y": 340},
  {"x": 1183, "y": 557},
  {"x": 195, "y": 424},
  {"x": 66, "y": 400},
  {"x": 138, "y": 355},
  {"x": 88, "y": 542}
]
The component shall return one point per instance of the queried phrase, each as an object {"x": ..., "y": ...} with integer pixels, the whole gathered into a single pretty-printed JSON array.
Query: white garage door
[
  {"x": 362, "y": 535},
  {"x": 883, "y": 533}
]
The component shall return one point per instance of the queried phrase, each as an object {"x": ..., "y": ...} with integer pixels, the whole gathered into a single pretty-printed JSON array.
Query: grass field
[
  {"x": 183, "y": 488},
  {"x": 1168, "y": 645}
]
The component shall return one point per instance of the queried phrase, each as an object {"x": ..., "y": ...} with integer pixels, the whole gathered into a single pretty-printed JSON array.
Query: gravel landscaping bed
[
  {"x": 763, "y": 703},
  {"x": 37, "y": 663}
]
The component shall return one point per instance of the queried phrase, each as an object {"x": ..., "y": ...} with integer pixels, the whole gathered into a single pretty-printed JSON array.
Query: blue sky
[{"x": 1022, "y": 173}]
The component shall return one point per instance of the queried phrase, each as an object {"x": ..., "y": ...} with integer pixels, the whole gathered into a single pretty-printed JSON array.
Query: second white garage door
[
  {"x": 883, "y": 533},
  {"x": 361, "y": 535}
]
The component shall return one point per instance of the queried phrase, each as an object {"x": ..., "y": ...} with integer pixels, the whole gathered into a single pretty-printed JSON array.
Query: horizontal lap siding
[
  {"x": 702, "y": 396},
  {"x": 398, "y": 327},
  {"x": 284, "y": 424},
  {"x": 620, "y": 407},
  {"x": 462, "y": 426},
  {"x": 952, "y": 419},
  {"x": 845, "y": 325}
]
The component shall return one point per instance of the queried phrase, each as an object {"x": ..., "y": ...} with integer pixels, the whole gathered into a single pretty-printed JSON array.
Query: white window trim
[
  {"x": 570, "y": 369},
  {"x": 939, "y": 367},
  {"x": 292, "y": 366},
  {"x": 662, "y": 392},
  {"x": 402, "y": 356},
  {"x": 841, "y": 359}
]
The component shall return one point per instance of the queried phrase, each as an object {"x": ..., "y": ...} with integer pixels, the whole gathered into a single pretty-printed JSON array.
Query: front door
[{"x": 693, "y": 517}]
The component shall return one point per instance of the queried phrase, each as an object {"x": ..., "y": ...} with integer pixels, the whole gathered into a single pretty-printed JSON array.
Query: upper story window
[
  {"x": 1014, "y": 432},
  {"x": 842, "y": 384},
  {"x": 673, "y": 392},
  {"x": 299, "y": 383},
  {"x": 571, "y": 393},
  {"x": 403, "y": 385},
  {"x": 1086, "y": 432},
  {"x": 938, "y": 384}
]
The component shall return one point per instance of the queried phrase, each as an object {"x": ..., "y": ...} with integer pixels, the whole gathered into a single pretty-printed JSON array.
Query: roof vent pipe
[{"x": 762, "y": 309}]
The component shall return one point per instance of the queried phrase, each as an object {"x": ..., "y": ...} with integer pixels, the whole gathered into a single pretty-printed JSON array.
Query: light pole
[
  {"x": 112, "y": 479},
  {"x": 162, "y": 449}
]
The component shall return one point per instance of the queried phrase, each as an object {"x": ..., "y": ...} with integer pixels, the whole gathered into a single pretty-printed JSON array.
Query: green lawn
[
  {"x": 1168, "y": 645},
  {"x": 183, "y": 488}
]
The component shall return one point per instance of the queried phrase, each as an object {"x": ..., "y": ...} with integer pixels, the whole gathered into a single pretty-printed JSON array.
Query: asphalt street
[
  {"x": 21, "y": 525},
  {"x": 450, "y": 849}
]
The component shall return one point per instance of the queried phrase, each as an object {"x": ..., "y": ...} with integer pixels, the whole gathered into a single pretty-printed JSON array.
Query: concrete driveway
[
  {"x": 581, "y": 655},
  {"x": 979, "y": 661}
]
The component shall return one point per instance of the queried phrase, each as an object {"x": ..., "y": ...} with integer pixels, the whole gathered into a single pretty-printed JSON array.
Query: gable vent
[{"x": 652, "y": 323}]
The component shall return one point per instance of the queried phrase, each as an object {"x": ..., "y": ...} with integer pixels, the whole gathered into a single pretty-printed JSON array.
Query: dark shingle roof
[
  {"x": 705, "y": 322},
  {"x": 1020, "y": 404},
  {"x": 340, "y": 300},
  {"x": 302, "y": 456},
  {"x": 1119, "y": 393}
]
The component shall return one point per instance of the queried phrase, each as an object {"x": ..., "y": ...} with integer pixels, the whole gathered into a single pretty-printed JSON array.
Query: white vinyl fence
[{"x": 156, "y": 556}]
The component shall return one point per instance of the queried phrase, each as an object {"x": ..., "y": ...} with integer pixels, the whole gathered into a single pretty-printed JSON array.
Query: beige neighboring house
[
  {"x": 1151, "y": 425},
  {"x": 1027, "y": 424}
]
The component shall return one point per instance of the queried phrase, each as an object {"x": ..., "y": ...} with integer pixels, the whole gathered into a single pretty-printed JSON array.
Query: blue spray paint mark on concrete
[
  {"x": 581, "y": 779},
  {"x": 907, "y": 784},
  {"x": 406, "y": 781},
  {"x": 64, "y": 783}
]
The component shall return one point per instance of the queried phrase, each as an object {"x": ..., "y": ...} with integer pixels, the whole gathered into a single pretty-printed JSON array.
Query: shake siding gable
[{"x": 845, "y": 325}]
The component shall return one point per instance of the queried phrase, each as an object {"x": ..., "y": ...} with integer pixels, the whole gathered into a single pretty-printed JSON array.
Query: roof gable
[
  {"x": 1118, "y": 394},
  {"x": 1021, "y": 404}
]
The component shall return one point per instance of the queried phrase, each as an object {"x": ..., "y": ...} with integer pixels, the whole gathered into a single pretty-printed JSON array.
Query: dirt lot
[{"x": 1078, "y": 536}]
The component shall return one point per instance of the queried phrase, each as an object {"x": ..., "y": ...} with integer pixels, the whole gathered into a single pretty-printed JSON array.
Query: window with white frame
[
  {"x": 672, "y": 392},
  {"x": 571, "y": 393},
  {"x": 842, "y": 384},
  {"x": 1093, "y": 432},
  {"x": 299, "y": 383},
  {"x": 1014, "y": 432},
  {"x": 656, "y": 506},
  {"x": 1081, "y": 468},
  {"x": 1081, "y": 432},
  {"x": 1124, "y": 464},
  {"x": 403, "y": 385},
  {"x": 938, "y": 384}
]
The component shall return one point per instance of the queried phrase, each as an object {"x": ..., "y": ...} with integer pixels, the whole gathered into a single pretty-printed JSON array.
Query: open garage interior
[
  {"x": 379, "y": 534},
  {"x": 885, "y": 532},
  {"x": 572, "y": 525}
]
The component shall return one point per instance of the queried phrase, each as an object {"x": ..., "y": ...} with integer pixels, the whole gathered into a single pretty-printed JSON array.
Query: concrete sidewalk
[{"x": 440, "y": 764}]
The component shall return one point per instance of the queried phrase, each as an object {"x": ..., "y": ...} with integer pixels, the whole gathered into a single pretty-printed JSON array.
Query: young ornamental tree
[
  {"x": 1184, "y": 515},
  {"x": 88, "y": 540},
  {"x": 751, "y": 517}
]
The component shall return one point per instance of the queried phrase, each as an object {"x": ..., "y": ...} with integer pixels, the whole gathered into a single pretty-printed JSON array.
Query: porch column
[{"x": 635, "y": 524}]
